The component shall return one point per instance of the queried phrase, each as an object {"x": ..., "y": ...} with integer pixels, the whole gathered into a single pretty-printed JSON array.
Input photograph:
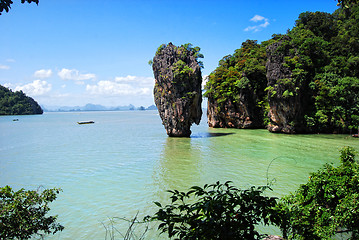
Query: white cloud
[
  {"x": 264, "y": 25},
  {"x": 4, "y": 67},
  {"x": 257, "y": 18},
  {"x": 114, "y": 88},
  {"x": 36, "y": 88},
  {"x": 130, "y": 85},
  {"x": 10, "y": 60},
  {"x": 256, "y": 28},
  {"x": 73, "y": 74},
  {"x": 8, "y": 85},
  {"x": 43, "y": 73},
  {"x": 129, "y": 78}
]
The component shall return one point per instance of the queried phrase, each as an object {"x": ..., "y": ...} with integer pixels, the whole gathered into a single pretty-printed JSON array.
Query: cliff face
[
  {"x": 242, "y": 113},
  {"x": 285, "y": 96},
  {"x": 235, "y": 89},
  {"x": 177, "y": 90},
  {"x": 306, "y": 81}
]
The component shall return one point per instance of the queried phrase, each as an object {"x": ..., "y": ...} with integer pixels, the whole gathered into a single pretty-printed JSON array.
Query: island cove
[{"x": 305, "y": 81}]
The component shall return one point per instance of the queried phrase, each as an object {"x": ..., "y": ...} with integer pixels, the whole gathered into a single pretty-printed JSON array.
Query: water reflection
[{"x": 179, "y": 166}]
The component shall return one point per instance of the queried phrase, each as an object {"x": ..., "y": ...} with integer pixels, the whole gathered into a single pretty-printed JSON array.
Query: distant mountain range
[{"x": 95, "y": 107}]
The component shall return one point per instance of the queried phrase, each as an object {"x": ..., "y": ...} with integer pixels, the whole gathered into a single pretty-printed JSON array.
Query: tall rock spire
[{"x": 177, "y": 91}]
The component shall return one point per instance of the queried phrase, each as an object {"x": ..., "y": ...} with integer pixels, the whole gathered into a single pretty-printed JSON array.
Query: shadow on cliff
[{"x": 209, "y": 135}]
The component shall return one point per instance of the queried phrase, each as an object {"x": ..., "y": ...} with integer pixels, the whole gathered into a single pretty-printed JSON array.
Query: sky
[{"x": 74, "y": 52}]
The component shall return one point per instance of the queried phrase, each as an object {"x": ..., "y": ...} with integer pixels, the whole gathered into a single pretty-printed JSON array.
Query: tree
[
  {"x": 326, "y": 205},
  {"x": 17, "y": 103},
  {"x": 6, "y": 4},
  {"x": 347, "y": 3},
  {"x": 23, "y": 213},
  {"x": 220, "y": 211}
]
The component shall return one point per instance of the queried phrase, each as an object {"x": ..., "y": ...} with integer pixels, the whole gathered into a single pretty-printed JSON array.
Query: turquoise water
[{"x": 124, "y": 162}]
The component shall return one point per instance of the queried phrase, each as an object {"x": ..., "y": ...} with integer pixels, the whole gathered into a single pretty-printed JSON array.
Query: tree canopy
[
  {"x": 6, "y": 4},
  {"x": 23, "y": 213},
  {"x": 322, "y": 56},
  {"x": 17, "y": 103},
  {"x": 326, "y": 205}
]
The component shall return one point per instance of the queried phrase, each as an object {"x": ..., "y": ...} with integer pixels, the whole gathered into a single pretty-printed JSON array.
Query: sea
[{"x": 114, "y": 170}]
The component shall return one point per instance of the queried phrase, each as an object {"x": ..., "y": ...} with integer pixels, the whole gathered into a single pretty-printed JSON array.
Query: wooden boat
[{"x": 85, "y": 122}]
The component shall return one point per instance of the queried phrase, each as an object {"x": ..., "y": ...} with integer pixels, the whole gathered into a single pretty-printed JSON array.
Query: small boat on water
[{"x": 85, "y": 122}]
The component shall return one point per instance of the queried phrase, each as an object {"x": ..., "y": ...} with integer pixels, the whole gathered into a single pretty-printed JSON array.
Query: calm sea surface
[{"x": 124, "y": 162}]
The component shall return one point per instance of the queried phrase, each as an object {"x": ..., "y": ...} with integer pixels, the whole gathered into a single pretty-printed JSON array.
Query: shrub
[
  {"x": 22, "y": 213},
  {"x": 326, "y": 205},
  {"x": 216, "y": 211}
]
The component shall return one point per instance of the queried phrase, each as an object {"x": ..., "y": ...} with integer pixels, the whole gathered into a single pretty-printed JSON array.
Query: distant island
[
  {"x": 95, "y": 107},
  {"x": 17, "y": 103}
]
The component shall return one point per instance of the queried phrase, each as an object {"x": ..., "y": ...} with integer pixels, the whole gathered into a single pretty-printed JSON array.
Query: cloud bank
[
  {"x": 257, "y": 19},
  {"x": 73, "y": 74},
  {"x": 4, "y": 67},
  {"x": 130, "y": 85},
  {"x": 36, "y": 88},
  {"x": 43, "y": 73}
]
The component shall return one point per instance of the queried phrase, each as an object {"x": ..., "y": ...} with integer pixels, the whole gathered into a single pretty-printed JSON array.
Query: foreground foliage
[
  {"x": 326, "y": 205},
  {"x": 23, "y": 213},
  {"x": 6, "y": 4},
  {"x": 216, "y": 211},
  {"x": 132, "y": 233}
]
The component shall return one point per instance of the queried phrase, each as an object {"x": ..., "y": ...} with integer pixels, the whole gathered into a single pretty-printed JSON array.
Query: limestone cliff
[
  {"x": 177, "y": 90},
  {"x": 235, "y": 89},
  {"x": 242, "y": 113},
  {"x": 285, "y": 95}
]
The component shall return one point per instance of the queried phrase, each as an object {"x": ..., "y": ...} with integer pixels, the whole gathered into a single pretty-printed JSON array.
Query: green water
[{"x": 124, "y": 162}]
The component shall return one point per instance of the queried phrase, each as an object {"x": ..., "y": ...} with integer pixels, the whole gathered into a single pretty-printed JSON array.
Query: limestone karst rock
[
  {"x": 240, "y": 114},
  {"x": 177, "y": 90},
  {"x": 285, "y": 96},
  {"x": 235, "y": 89}
]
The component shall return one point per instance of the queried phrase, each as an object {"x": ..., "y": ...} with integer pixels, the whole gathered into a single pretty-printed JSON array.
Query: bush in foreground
[
  {"x": 23, "y": 213},
  {"x": 218, "y": 211},
  {"x": 326, "y": 205}
]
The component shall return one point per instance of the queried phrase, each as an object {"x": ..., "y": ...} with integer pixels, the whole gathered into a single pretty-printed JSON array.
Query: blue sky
[{"x": 73, "y": 52}]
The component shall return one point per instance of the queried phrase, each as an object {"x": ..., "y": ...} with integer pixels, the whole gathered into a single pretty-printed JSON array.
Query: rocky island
[
  {"x": 177, "y": 90},
  {"x": 304, "y": 81}
]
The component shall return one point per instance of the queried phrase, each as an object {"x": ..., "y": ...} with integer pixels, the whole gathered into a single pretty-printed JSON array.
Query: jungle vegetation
[
  {"x": 17, "y": 103},
  {"x": 323, "y": 59}
]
